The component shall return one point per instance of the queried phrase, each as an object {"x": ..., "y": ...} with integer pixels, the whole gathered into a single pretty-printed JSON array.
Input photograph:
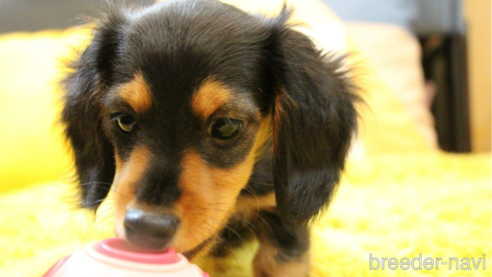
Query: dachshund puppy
[{"x": 208, "y": 122}]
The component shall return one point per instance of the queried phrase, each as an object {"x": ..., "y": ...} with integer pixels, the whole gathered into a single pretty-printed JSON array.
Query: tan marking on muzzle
[
  {"x": 125, "y": 184},
  {"x": 208, "y": 198}
]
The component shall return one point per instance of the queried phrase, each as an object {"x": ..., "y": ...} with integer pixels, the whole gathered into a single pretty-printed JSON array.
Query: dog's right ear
[{"x": 82, "y": 113}]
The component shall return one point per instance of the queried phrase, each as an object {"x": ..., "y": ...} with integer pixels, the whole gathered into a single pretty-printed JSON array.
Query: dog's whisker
[
  {"x": 250, "y": 224},
  {"x": 229, "y": 246},
  {"x": 225, "y": 226},
  {"x": 219, "y": 210},
  {"x": 218, "y": 203},
  {"x": 94, "y": 183},
  {"x": 267, "y": 224},
  {"x": 94, "y": 202},
  {"x": 101, "y": 225},
  {"x": 95, "y": 220},
  {"x": 260, "y": 183}
]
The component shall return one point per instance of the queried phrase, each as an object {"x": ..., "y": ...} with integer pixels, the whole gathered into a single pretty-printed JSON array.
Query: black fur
[
  {"x": 176, "y": 46},
  {"x": 82, "y": 115},
  {"x": 313, "y": 122}
]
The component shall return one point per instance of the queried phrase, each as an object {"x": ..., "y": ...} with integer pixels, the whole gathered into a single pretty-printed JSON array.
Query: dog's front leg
[{"x": 282, "y": 252}]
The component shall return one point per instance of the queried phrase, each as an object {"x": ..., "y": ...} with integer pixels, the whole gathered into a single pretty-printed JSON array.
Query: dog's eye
[
  {"x": 225, "y": 128},
  {"x": 126, "y": 122}
]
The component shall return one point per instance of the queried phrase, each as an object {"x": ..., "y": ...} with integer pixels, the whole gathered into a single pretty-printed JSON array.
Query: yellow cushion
[
  {"x": 39, "y": 225},
  {"x": 30, "y": 150}
]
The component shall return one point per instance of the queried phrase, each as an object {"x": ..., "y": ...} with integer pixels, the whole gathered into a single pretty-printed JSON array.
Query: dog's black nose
[{"x": 149, "y": 230}]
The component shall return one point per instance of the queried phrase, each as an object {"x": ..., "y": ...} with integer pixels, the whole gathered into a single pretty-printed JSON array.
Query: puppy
[{"x": 209, "y": 123}]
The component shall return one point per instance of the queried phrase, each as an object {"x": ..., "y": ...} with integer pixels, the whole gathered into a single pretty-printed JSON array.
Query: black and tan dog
[{"x": 206, "y": 122}]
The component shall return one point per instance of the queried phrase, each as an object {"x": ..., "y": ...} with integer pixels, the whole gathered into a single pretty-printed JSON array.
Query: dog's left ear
[{"x": 314, "y": 119}]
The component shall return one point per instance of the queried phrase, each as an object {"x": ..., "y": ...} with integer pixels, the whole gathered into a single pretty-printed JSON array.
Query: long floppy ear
[
  {"x": 82, "y": 115},
  {"x": 314, "y": 119}
]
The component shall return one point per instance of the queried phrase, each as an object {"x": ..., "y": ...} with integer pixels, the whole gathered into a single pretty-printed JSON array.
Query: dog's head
[{"x": 173, "y": 105}]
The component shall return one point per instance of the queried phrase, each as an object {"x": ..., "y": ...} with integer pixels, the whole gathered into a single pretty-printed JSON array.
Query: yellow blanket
[
  {"x": 437, "y": 205},
  {"x": 401, "y": 200}
]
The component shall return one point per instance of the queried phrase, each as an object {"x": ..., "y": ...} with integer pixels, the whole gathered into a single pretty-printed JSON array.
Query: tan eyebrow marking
[
  {"x": 136, "y": 93},
  {"x": 209, "y": 97}
]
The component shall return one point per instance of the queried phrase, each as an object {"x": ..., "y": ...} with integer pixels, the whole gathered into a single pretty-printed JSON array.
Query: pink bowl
[{"x": 115, "y": 257}]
